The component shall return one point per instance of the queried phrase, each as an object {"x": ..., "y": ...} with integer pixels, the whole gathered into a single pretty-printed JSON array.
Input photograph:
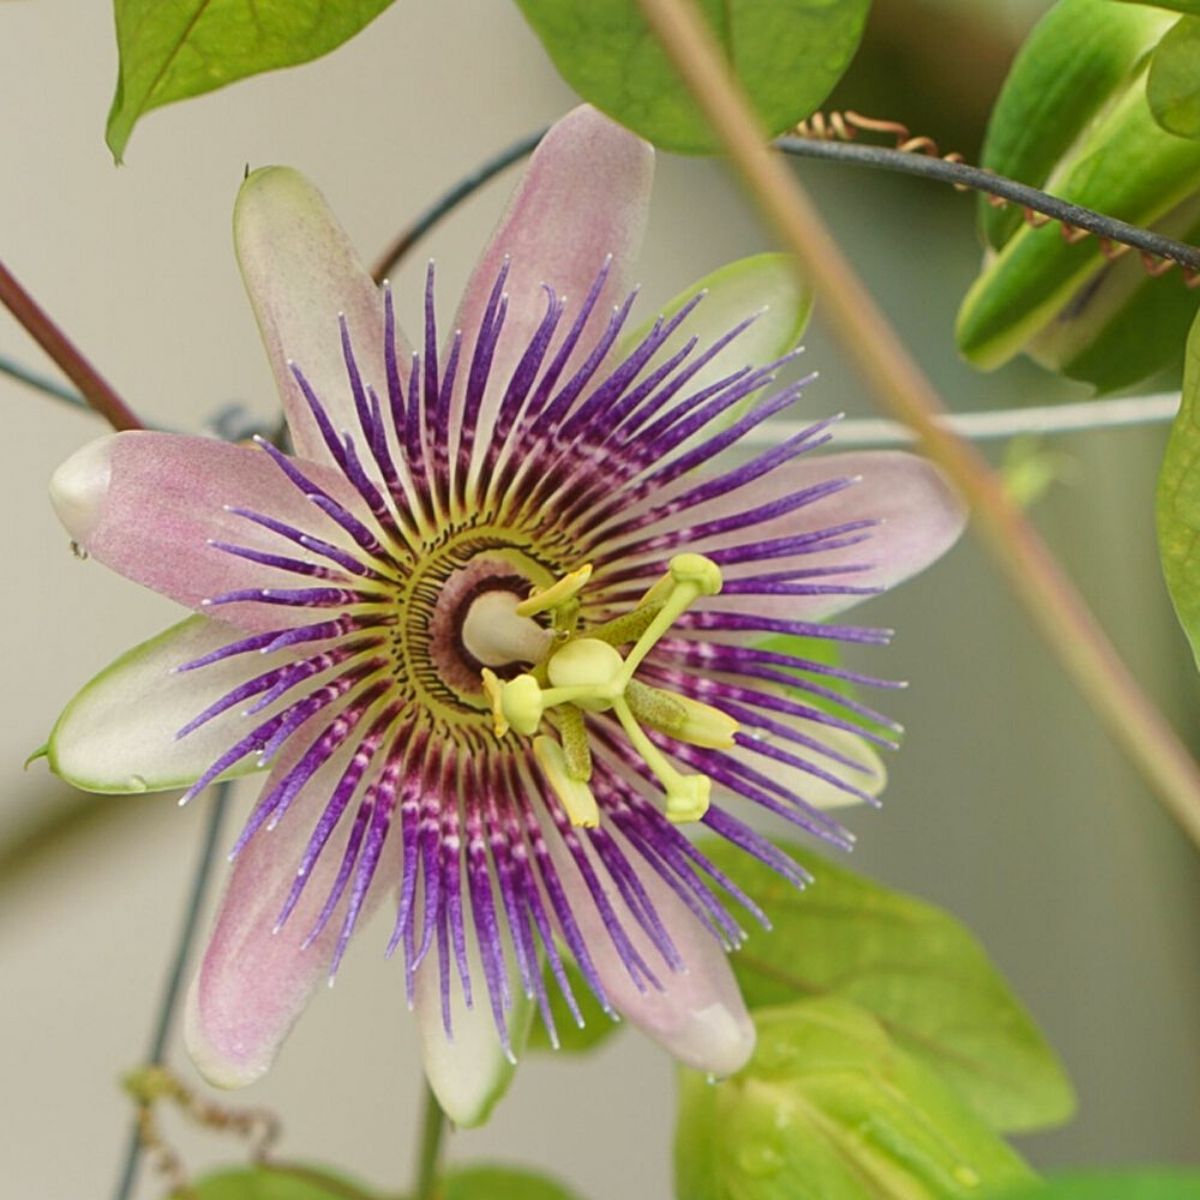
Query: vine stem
[
  {"x": 900, "y": 386},
  {"x": 96, "y": 390},
  {"x": 173, "y": 988},
  {"x": 429, "y": 1148}
]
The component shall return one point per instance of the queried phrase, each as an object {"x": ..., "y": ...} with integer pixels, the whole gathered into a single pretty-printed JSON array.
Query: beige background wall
[{"x": 1007, "y": 803}]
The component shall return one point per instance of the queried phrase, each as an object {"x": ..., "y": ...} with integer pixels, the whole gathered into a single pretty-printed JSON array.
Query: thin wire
[
  {"x": 41, "y": 382},
  {"x": 169, "y": 1002},
  {"x": 1083, "y": 416},
  {"x": 908, "y": 162},
  {"x": 390, "y": 258}
]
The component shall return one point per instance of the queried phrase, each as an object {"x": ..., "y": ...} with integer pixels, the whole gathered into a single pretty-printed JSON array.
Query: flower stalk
[
  {"x": 96, "y": 390},
  {"x": 1052, "y": 602}
]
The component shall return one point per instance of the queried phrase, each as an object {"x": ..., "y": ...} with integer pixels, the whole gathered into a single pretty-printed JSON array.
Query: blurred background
[{"x": 1008, "y": 805}]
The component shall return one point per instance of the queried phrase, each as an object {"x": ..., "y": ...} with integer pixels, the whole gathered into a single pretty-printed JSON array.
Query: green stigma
[{"x": 588, "y": 673}]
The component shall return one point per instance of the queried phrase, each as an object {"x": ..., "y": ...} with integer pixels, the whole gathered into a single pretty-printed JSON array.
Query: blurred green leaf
[
  {"x": 597, "y": 1024},
  {"x": 1174, "y": 85},
  {"x": 831, "y": 1107},
  {"x": 485, "y": 1182},
  {"x": 1127, "y": 167},
  {"x": 1074, "y": 61},
  {"x": 172, "y": 49},
  {"x": 1183, "y": 6},
  {"x": 917, "y": 969},
  {"x": 1178, "y": 501},
  {"x": 279, "y": 1181},
  {"x": 1161, "y": 1183},
  {"x": 788, "y": 54},
  {"x": 1125, "y": 326}
]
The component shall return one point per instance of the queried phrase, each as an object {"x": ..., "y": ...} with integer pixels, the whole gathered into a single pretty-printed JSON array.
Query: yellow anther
[
  {"x": 682, "y": 717},
  {"x": 521, "y": 703},
  {"x": 589, "y": 668},
  {"x": 687, "y": 798},
  {"x": 575, "y": 794},
  {"x": 567, "y": 588},
  {"x": 494, "y": 691},
  {"x": 697, "y": 570}
]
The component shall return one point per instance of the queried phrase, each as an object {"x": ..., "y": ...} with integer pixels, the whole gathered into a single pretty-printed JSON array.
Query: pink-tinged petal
[
  {"x": 467, "y": 1069},
  {"x": 148, "y": 504},
  {"x": 584, "y": 197},
  {"x": 698, "y": 1014},
  {"x": 915, "y": 516},
  {"x": 301, "y": 271},
  {"x": 253, "y": 982},
  {"x": 118, "y": 733}
]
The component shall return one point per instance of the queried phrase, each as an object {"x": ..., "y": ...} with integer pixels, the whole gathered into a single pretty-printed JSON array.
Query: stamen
[{"x": 589, "y": 674}]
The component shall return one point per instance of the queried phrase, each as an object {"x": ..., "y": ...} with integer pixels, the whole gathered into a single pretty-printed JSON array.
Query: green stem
[
  {"x": 173, "y": 989},
  {"x": 1053, "y": 605},
  {"x": 429, "y": 1149},
  {"x": 96, "y": 390}
]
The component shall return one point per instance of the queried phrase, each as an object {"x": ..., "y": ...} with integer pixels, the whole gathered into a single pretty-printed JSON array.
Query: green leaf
[
  {"x": 1125, "y": 326},
  {"x": 788, "y": 54},
  {"x": 1178, "y": 501},
  {"x": 1174, "y": 86},
  {"x": 1077, "y": 59},
  {"x": 172, "y": 49},
  {"x": 830, "y": 1106},
  {"x": 763, "y": 286},
  {"x": 597, "y": 1027},
  {"x": 1183, "y": 6},
  {"x": 486, "y": 1182},
  {"x": 1127, "y": 167},
  {"x": 279, "y": 1181},
  {"x": 1162, "y": 1183},
  {"x": 917, "y": 969}
]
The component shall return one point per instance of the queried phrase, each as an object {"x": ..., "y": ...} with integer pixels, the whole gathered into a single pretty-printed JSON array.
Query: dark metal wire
[
  {"x": 169, "y": 1001},
  {"x": 908, "y": 162},
  {"x": 389, "y": 259}
]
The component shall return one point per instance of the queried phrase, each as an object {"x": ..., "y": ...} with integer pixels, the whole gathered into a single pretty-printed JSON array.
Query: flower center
[{"x": 586, "y": 673}]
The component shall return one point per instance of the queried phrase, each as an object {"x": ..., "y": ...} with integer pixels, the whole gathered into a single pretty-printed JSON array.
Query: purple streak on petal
[
  {"x": 525, "y": 885},
  {"x": 741, "y": 622},
  {"x": 769, "y": 750},
  {"x": 650, "y": 842},
  {"x": 430, "y": 389},
  {"x": 381, "y": 802},
  {"x": 246, "y": 645},
  {"x": 376, "y": 504},
  {"x": 753, "y": 586},
  {"x": 720, "y": 692},
  {"x": 295, "y": 597},
  {"x": 442, "y": 461},
  {"x": 329, "y": 435},
  {"x": 636, "y": 419},
  {"x": 553, "y": 419},
  {"x": 324, "y": 501},
  {"x": 253, "y": 741},
  {"x": 325, "y": 630},
  {"x": 482, "y": 356},
  {"x": 410, "y": 812},
  {"x": 451, "y": 868},
  {"x": 338, "y": 802},
  {"x": 599, "y": 412},
  {"x": 634, "y": 894},
  {"x": 734, "y": 664},
  {"x": 281, "y": 562},
  {"x": 382, "y": 454},
  {"x": 428, "y": 839},
  {"x": 739, "y": 834},
  {"x": 314, "y": 702},
  {"x": 343, "y": 558},
  {"x": 362, "y": 818},
  {"x": 516, "y": 394},
  {"x": 276, "y": 802},
  {"x": 639, "y": 971},
  {"x": 483, "y": 908},
  {"x": 545, "y": 389},
  {"x": 559, "y": 901},
  {"x": 362, "y": 408},
  {"x": 507, "y": 841}
]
